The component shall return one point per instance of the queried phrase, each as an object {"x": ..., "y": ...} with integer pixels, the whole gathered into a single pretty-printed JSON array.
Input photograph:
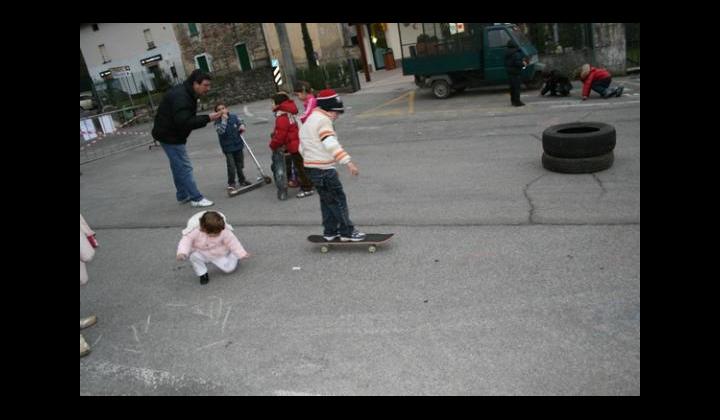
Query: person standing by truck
[{"x": 515, "y": 62}]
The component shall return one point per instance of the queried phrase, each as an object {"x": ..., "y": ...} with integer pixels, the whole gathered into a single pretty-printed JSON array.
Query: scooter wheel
[{"x": 268, "y": 180}]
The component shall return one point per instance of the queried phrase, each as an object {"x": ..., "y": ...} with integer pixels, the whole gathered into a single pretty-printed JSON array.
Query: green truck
[{"x": 450, "y": 57}]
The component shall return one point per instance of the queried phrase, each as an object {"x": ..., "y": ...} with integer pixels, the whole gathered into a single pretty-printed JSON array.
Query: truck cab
[{"x": 449, "y": 57}]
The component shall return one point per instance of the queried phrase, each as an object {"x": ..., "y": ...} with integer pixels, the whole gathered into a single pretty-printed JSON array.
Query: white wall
[
  {"x": 126, "y": 46},
  {"x": 393, "y": 39}
]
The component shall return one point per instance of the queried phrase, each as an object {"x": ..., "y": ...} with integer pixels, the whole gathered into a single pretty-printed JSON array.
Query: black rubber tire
[
  {"x": 579, "y": 140},
  {"x": 578, "y": 165},
  {"x": 441, "y": 89}
]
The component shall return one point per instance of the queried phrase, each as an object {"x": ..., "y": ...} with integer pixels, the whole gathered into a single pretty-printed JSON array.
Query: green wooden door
[
  {"x": 203, "y": 63},
  {"x": 243, "y": 56}
]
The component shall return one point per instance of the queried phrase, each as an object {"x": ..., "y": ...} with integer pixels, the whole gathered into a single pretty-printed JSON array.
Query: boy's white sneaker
[{"x": 202, "y": 203}]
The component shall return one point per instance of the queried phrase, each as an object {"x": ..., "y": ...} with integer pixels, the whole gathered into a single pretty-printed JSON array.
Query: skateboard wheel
[
  {"x": 268, "y": 180},
  {"x": 372, "y": 249},
  {"x": 324, "y": 249}
]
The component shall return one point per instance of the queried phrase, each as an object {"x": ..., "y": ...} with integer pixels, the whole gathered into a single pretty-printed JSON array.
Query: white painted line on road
[
  {"x": 597, "y": 104},
  {"x": 283, "y": 393},
  {"x": 210, "y": 345},
  {"x": 147, "y": 324},
  {"x": 151, "y": 378}
]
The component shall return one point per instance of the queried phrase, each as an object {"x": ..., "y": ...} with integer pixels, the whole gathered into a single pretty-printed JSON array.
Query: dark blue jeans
[
  {"x": 601, "y": 86},
  {"x": 182, "y": 172},
  {"x": 333, "y": 202},
  {"x": 235, "y": 164}
]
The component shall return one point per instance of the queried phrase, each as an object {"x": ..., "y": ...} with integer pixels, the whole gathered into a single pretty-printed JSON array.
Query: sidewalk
[{"x": 385, "y": 80}]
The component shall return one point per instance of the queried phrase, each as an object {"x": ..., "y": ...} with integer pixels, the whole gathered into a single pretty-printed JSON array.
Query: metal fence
[
  {"x": 632, "y": 46},
  {"x": 557, "y": 38},
  {"x": 131, "y": 89},
  {"x": 104, "y": 134}
]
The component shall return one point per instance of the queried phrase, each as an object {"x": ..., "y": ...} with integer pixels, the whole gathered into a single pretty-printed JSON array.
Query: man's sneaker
[
  {"x": 303, "y": 194},
  {"x": 202, "y": 203},
  {"x": 331, "y": 237},
  {"x": 184, "y": 200},
  {"x": 619, "y": 91},
  {"x": 282, "y": 195},
  {"x": 232, "y": 187},
  {"x": 355, "y": 237},
  {"x": 245, "y": 184}
]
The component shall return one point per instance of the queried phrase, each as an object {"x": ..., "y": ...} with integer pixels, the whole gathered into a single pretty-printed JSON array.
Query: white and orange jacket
[{"x": 319, "y": 145}]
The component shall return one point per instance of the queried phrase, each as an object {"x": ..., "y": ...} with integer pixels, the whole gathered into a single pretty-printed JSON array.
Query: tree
[{"x": 309, "y": 50}]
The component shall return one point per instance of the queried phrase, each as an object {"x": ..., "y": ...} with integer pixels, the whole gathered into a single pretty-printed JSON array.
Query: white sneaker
[
  {"x": 202, "y": 203},
  {"x": 84, "y": 347},
  {"x": 88, "y": 322}
]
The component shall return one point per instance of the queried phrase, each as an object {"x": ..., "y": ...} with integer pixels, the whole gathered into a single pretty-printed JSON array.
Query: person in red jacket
[
  {"x": 285, "y": 139},
  {"x": 598, "y": 79}
]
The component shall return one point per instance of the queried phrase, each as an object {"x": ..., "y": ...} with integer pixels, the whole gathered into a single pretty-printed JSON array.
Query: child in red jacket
[
  {"x": 285, "y": 139},
  {"x": 598, "y": 79}
]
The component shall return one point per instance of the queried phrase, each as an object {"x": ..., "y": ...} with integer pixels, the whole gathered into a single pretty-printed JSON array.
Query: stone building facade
[{"x": 234, "y": 53}]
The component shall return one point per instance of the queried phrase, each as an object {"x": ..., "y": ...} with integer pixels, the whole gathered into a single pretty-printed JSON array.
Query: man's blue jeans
[
  {"x": 182, "y": 172},
  {"x": 333, "y": 203}
]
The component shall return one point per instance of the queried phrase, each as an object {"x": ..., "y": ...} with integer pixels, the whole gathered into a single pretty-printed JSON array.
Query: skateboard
[{"x": 372, "y": 240}]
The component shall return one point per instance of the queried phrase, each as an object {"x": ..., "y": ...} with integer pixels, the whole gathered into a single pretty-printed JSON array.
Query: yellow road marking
[{"x": 386, "y": 103}]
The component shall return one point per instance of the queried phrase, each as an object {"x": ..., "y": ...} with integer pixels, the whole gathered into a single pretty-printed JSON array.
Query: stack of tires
[{"x": 578, "y": 148}]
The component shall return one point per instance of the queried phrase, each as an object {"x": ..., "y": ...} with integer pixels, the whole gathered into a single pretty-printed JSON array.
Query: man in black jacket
[
  {"x": 515, "y": 62},
  {"x": 176, "y": 117}
]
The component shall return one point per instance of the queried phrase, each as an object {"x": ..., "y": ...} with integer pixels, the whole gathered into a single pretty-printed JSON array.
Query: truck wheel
[
  {"x": 578, "y": 139},
  {"x": 441, "y": 89},
  {"x": 578, "y": 165}
]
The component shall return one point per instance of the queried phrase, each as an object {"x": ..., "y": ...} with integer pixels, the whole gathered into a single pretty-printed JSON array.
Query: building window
[
  {"x": 243, "y": 57},
  {"x": 104, "y": 54},
  {"x": 95, "y": 27},
  {"x": 149, "y": 39},
  {"x": 203, "y": 62},
  {"x": 192, "y": 27}
]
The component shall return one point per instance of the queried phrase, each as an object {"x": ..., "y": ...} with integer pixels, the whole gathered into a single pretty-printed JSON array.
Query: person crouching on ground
[
  {"x": 598, "y": 79},
  {"x": 556, "y": 83},
  {"x": 210, "y": 241}
]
